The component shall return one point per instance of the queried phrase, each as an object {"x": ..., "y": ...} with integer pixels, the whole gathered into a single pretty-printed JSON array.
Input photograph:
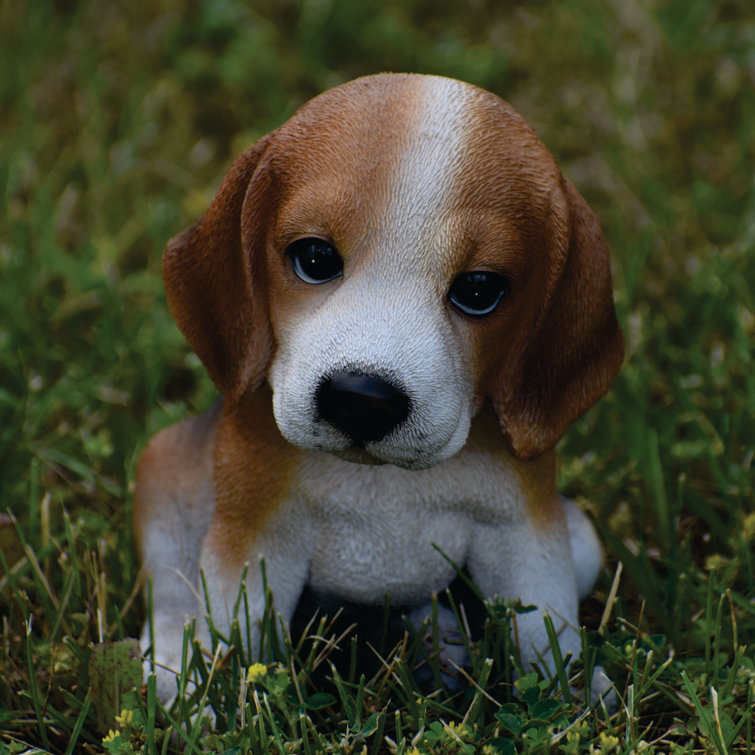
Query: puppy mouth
[
  {"x": 412, "y": 461},
  {"x": 407, "y": 447},
  {"x": 357, "y": 455},
  {"x": 413, "y": 452}
]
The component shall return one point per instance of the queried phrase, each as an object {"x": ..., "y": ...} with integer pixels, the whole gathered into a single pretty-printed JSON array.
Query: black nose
[{"x": 364, "y": 407}]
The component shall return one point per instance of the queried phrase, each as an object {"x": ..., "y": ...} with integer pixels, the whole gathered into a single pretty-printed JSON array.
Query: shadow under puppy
[{"x": 404, "y": 304}]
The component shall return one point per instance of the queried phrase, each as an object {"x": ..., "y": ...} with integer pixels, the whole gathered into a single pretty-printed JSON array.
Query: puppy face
[
  {"x": 402, "y": 249},
  {"x": 393, "y": 206}
]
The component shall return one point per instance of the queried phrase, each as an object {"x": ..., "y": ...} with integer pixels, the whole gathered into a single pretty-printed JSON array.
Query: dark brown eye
[
  {"x": 478, "y": 293},
  {"x": 315, "y": 261}
]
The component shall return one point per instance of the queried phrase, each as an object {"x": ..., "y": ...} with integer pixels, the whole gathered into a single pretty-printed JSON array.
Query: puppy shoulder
[{"x": 176, "y": 468}]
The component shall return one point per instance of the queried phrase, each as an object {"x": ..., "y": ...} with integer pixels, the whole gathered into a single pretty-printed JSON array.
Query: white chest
[{"x": 377, "y": 530}]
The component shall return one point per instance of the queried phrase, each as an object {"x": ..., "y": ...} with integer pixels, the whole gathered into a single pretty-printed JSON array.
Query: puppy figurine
[{"x": 404, "y": 304}]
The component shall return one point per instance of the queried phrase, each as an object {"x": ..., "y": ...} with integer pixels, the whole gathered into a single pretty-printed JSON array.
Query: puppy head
[{"x": 401, "y": 250}]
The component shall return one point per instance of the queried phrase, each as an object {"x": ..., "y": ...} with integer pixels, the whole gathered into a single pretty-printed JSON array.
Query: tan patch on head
[
  {"x": 503, "y": 213},
  {"x": 332, "y": 171}
]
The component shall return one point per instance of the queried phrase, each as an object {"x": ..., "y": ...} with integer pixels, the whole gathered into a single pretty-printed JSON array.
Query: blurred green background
[{"x": 118, "y": 120}]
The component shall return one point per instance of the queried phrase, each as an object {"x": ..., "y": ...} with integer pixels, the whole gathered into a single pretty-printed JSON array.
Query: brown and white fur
[{"x": 414, "y": 180}]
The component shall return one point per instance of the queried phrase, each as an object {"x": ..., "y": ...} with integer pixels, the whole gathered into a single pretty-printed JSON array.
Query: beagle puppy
[{"x": 404, "y": 305}]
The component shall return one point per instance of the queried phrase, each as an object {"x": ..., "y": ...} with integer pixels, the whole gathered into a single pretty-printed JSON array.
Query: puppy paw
[{"x": 602, "y": 691}]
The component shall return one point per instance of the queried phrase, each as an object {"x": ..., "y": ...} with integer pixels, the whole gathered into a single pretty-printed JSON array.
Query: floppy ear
[
  {"x": 214, "y": 277},
  {"x": 576, "y": 349}
]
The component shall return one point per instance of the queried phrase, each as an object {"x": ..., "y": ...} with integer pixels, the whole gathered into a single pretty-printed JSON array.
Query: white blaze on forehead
[{"x": 432, "y": 156}]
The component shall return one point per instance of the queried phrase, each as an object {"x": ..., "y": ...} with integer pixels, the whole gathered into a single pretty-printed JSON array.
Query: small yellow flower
[
  {"x": 111, "y": 736},
  {"x": 572, "y": 736},
  {"x": 458, "y": 730},
  {"x": 414, "y": 751},
  {"x": 125, "y": 719},
  {"x": 609, "y": 741},
  {"x": 583, "y": 729},
  {"x": 256, "y": 672},
  {"x": 715, "y": 561}
]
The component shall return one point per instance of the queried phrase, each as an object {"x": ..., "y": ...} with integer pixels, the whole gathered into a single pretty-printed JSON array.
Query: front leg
[
  {"x": 277, "y": 558},
  {"x": 173, "y": 507},
  {"x": 258, "y": 517},
  {"x": 530, "y": 559}
]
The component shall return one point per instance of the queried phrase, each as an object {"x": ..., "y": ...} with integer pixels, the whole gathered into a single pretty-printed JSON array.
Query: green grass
[{"x": 117, "y": 121}]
